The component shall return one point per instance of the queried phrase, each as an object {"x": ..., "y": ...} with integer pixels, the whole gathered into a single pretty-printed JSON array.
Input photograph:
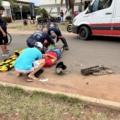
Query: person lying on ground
[
  {"x": 53, "y": 30},
  {"x": 39, "y": 36},
  {"x": 27, "y": 61},
  {"x": 50, "y": 57}
]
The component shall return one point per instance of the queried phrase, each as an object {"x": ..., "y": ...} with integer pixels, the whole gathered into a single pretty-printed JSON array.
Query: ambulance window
[
  {"x": 105, "y": 3},
  {"x": 96, "y": 5},
  {"x": 101, "y": 4}
]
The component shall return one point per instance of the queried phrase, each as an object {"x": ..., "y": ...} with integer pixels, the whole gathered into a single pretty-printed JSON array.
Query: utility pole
[{"x": 21, "y": 6}]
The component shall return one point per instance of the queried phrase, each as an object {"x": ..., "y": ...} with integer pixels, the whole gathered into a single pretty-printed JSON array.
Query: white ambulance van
[{"x": 102, "y": 18}]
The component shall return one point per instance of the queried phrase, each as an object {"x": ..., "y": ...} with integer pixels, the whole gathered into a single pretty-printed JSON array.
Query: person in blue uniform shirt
[{"x": 53, "y": 30}]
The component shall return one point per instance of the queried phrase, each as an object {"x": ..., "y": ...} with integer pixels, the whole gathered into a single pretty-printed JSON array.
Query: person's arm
[
  {"x": 56, "y": 26},
  {"x": 4, "y": 34},
  {"x": 50, "y": 40},
  {"x": 53, "y": 59},
  {"x": 57, "y": 39}
]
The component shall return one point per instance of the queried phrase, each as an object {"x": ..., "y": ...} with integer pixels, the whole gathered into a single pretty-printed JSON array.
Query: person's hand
[
  {"x": 56, "y": 44},
  {"x": 4, "y": 34},
  {"x": 45, "y": 55}
]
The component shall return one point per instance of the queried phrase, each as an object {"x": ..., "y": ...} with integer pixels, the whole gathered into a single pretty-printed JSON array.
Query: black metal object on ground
[
  {"x": 37, "y": 74},
  {"x": 94, "y": 69}
]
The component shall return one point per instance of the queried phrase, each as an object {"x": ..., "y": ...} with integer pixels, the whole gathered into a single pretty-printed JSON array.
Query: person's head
[
  {"x": 1, "y": 10},
  {"x": 45, "y": 29},
  {"x": 39, "y": 45},
  {"x": 53, "y": 35}
]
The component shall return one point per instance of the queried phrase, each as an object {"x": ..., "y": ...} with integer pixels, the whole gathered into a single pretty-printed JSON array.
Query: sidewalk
[{"x": 105, "y": 87}]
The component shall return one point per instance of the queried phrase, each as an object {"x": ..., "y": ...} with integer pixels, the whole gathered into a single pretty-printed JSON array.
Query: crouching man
[{"x": 27, "y": 62}]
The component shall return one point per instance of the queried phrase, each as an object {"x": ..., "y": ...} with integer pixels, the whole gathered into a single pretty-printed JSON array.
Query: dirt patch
[{"x": 103, "y": 87}]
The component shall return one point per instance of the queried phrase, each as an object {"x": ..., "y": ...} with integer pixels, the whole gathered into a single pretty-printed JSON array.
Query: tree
[
  {"x": 69, "y": 4},
  {"x": 42, "y": 12}
]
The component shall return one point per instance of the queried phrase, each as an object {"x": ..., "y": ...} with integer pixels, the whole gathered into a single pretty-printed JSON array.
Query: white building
[
  {"x": 6, "y": 5},
  {"x": 24, "y": 0},
  {"x": 54, "y": 6}
]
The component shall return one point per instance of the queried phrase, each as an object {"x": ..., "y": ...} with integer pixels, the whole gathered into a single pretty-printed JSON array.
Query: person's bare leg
[
  {"x": 4, "y": 48},
  {"x": 18, "y": 74},
  {"x": 31, "y": 75}
]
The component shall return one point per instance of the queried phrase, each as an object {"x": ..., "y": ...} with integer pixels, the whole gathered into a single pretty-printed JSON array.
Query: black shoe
[
  {"x": 37, "y": 74},
  {"x": 65, "y": 47}
]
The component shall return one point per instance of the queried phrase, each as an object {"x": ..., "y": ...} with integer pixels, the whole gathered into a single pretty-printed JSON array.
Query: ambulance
[{"x": 101, "y": 17}]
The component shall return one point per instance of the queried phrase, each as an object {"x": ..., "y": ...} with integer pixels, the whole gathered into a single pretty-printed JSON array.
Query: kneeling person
[
  {"x": 39, "y": 37},
  {"x": 26, "y": 62},
  {"x": 53, "y": 30}
]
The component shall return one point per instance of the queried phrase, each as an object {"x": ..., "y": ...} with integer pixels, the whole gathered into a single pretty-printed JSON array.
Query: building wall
[
  {"x": 53, "y": 8},
  {"x": 24, "y": 0},
  {"x": 7, "y": 11},
  {"x": 51, "y": 5}
]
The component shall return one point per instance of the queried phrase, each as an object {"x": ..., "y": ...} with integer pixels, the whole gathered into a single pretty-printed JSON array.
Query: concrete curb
[{"x": 94, "y": 101}]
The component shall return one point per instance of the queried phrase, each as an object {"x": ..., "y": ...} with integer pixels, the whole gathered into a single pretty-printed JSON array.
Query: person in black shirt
[
  {"x": 3, "y": 34},
  {"x": 53, "y": 30}
]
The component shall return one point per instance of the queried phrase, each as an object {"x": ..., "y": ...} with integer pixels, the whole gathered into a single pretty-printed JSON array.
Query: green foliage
[
  {"x": 44, "y": 15},
  {"x": 7, "y": 19},
  {"x": 41, "y": 19},
  {"x": 44, "y": 19},
  {"x": 15, "y": 8},
  {"x": 42, "y": 12},
  {"x": 39, "y": 11},
  {"x": 68, "y": 18},
  {"x": 17, "y": 104},
  {"x": 26, "y": 8}
]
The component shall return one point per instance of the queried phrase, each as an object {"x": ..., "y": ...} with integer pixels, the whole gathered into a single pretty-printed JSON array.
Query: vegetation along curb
[{"x": 89, "y": 100}]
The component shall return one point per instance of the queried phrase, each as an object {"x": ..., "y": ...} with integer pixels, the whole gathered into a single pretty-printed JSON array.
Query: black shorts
[
  {"x": 57, "y": 31},
  {"x": 3, "y": 40}
]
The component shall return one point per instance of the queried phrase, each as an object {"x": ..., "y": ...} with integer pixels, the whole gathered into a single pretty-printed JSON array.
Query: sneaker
[
  {"x": 7, "y": 51},
  {"x": 5, "y": 55},
  {"x": 65, "y": 47}
]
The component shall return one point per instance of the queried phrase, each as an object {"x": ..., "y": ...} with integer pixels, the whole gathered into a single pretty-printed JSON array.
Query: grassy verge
[
  {"x": 17, "y": 104},
  {"x": 33, "y": 26},
  {"x": 63, "y": 27},
  {"x": 22, "y": 27}
]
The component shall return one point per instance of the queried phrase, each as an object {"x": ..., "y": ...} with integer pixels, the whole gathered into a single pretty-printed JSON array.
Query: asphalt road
[{"x": 82, "y": 54}]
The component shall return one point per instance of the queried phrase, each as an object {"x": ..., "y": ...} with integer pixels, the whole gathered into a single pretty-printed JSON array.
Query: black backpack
[{"x": 35, "y": 37}]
